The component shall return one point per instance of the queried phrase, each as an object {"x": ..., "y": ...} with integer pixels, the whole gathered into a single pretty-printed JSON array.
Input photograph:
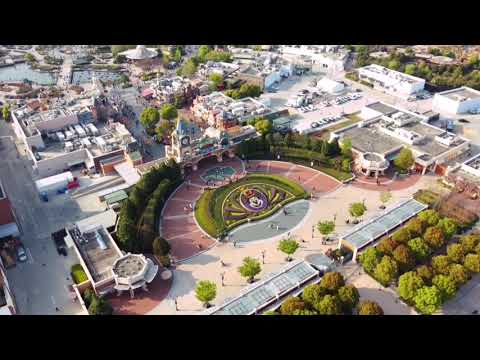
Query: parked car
[
  {"x": 464, "y": 121},
  {"x": 314, "y": 124},
  {"x": 21, "y": 253}
]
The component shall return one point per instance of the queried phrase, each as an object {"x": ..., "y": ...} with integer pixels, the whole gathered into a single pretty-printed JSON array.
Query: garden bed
[{"x": 252, "y": 198}]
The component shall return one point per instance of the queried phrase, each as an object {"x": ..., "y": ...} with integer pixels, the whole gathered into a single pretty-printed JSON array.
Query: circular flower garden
[{"x": 251, "y": 198}]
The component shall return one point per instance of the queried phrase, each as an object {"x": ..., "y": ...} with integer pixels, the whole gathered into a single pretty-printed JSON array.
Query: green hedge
[
  {"x": 208, "y": 209},
  {"x": 78, "y": 274}
]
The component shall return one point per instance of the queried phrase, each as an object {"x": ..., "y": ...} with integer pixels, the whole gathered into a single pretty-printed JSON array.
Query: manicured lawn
[{"x": 221, "y": 210}]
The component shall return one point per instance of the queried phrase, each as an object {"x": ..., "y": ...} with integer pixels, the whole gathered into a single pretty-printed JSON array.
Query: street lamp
[
  {"x": 176, "y": 304},
  {"x": 263, "y": 257},
  {"x": 222, "y": 275}
]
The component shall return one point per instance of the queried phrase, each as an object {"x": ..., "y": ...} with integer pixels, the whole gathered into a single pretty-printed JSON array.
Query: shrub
[
  {"x": 408, "y": 285},
  {"x": 291, "y": 304},
  {"x": 206, "y": 292},
  {"x": 329, "y": 305},
  {"x": 88, "y": 296},
  {"x": 426, "y": 273},
  {"x": 387, "y": 245},
  {"x": 434, "y": 237},
  {"x": 420, "y": 248},
  {"x": 456, "y": 253},
  {"x": 431, "y": 217},
  {"x": 349, "y": 297},
  {"x": 100, "y": 306},
  {"x": 458, "y": 273},
  {"x": 369, "y": 308},
  {"x": 446, "y": 285},
  {"x": 386, "y": 271},
  {"x": 312, "y": 294},
  {"x": 332, "y": 281},
  {"x": 161, "y": 246},
  {"x": 402, "y": 236},
  {"x": 472, "y": 263},
  {"x": 441, "y": 264},
  {"x": 78, "y": 274},
  {"x": 370, "y": 259},
  {"x": 428, "y": 299},
  {"x": 404, "y": 257}
]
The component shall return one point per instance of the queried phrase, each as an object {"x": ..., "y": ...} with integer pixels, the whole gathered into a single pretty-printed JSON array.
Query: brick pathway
[{"x": 386, "y": 182}]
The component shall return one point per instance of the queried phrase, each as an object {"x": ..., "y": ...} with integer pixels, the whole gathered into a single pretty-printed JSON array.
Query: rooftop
[
  {"x": 369, "y": 139},
  {"x": 377, "y": 70},
  {"x": 382, "y": 108},
  {"x": 259, "y": 295},
  {"x": 367, "y": 232},
  {"x": 461, "y": 94}
]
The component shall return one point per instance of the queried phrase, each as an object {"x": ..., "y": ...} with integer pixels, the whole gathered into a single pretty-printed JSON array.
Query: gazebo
[{"x": 133, "y": 271}]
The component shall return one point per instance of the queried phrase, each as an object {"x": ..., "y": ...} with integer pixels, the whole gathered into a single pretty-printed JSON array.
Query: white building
[
  {"x": 320, "y": 57},
  {"x": 457, "y": 101},
  {"x": 391, "y": 81},
  {"x": 330, "y": 86}
]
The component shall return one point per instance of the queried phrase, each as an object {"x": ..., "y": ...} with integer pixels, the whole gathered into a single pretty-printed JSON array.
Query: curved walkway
[
  {"x": 388, "y": 182},
  {"x": 178, "y": 225}
]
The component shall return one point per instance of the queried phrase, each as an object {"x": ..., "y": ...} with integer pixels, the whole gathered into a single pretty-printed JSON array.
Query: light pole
[
  {"x": 176, "y": 304},
  {"x": 222, "y": 276},
  {"x": 263, "y": 257},
  {"x": 313, "y": 231}
]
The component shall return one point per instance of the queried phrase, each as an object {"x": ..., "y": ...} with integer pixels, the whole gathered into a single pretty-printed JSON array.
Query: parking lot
[{"x": 40, "y": 284}]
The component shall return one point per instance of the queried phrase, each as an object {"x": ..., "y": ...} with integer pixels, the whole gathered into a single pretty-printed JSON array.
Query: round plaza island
[
  {"x": 250, "y": 199},
  {"x": 133, "y": 271}
]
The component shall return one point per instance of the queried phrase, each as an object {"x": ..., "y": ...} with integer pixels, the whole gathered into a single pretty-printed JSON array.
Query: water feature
[
  {"x": 19, "y": 72},
  {"x": 85, "y": 76}
]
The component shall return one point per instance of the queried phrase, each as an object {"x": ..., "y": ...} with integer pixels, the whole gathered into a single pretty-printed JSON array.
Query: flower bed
[{"x": 426, "y": 259}]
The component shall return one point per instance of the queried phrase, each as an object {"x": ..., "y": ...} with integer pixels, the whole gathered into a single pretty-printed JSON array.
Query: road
[{"x": 40, "y": 284}]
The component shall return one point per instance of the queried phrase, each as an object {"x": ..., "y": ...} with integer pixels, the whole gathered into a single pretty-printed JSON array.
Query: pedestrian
[
  {"x": 222, "y": 263},
  {"x": 278, "y": 227},
  {"x": 234, "y": 244},
  {"x": 57, "y": 309}
]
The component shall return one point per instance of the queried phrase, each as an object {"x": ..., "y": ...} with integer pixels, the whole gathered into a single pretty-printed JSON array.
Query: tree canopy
[
  {"x": 349, "y": 297},
  {"x": 405, "y": 159},
  {"x": 326, "y": 227},
  {"x": 332, "y": 282},
  {"x": 370, "y": 259},
  {"x": 428, "y": 299},
  {"x": 368, "y": 307},
  {"x": 456, "y": 253},
  {"x": 441, "y": 264},
  {"x": 472, "y": 263},
  {"x": 420, "y": 248},
  {"x": 446, "y": 285},
  {"x": 357, "y": 209},
  {"x": 408, "y": 285},
  {"x": 264, "y": 126},
  {"x": 149, "y": 117},
  {"x": 168, "y": 112},
  {"x": 329, "y": 305},
  {"x": 250, "y": 268},
  {"x": 434, "y": 237},
  {"x": 292, "y": 304},
  {"x": 288, "y": 246},
  {"x": 386, "y": 271},
  {"x": 206, "y": 291}
]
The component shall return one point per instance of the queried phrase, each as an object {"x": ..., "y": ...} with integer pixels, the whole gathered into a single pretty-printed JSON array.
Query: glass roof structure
[
  {"x": 367, "y": 232},
  {"x": 257, "y": 296}
]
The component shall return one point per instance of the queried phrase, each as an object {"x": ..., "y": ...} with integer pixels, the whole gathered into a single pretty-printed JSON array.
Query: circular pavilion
[
  {"x": 133, "y": 271},
  {"x": 372, "y": 164},
  {"x": 140, "y": 53}
]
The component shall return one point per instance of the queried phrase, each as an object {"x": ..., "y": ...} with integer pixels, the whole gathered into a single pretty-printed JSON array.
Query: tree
[
  {"x": 416, "y": 227},
  {"x": 304, "y": 312},
  {"x": 164, "y": 128},
  {"x": 325, "y": 151},
  {"x": 317, "y": 145},
  {"x": 368, "y": 307},
  {"x": 250, "y": 268},
  {"x": 434, "y": 237},
  {"x": 410, "y": 69},
  {"x": 88, "y": 296},
  {"x": 448, "y": 226},
  {"x": 458, "y": 273},
  {"x": 292, "y": 304},
  {"x": 349, "y": 297},
  {"x": 472, "y": 263},
  {"x": 387, "y": 245},
  {"x": 203, "y": 50},
  {"x": 326, "y": 227},
  {"x": 357, "y": 209},
  {"x": 346, "y": 148},
  {"x": 205, "y": 292},
  {"x": 426, "y": 273},
  {"x": 404, "y": 257},
  {"x": 446, "y": 285},
  {"x": 386, "y": 271},
  {"x": 428, "y": 299},
  {"x": 441, "y": 264},
  {"x": 334, "y": 147},
  {"x": 29, "y": 57},
  {"x": 178, "y": 55},
  {"x": 312, "y": 294},
  {"x": 370, "y": 259},
  {"x": 456, "y": 253},
  {"x": 431, "y": 217},
  {"x": 169, "y": 112},
  {"x": 385, "y": 197},
  {"x": 404, "y": 160},
  {"x": 161, "y": 246},
  {"x": 470, "y": 242},
  {"x": 329, "y": 305},
  {"x": 402, "y": 236},
  {"x": 332, "y": 281},
  {"x": 188, "y": 69},
  {"x": 249, "y": 90},
  {"x": 216, "y": 78},
  {"x": 289, "y": 139},
  {"x": 100, "y": 306},
  {"x": 149, "y": 117},
  {"x": 264, "y": 126},
  {"x": 420, "y": 248},
  {"x": 6, "y": 112},
  {"x": 394, "y": 65},
  {"x": 408, "y": 285},
  {"x": 288, "y": 246}
]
